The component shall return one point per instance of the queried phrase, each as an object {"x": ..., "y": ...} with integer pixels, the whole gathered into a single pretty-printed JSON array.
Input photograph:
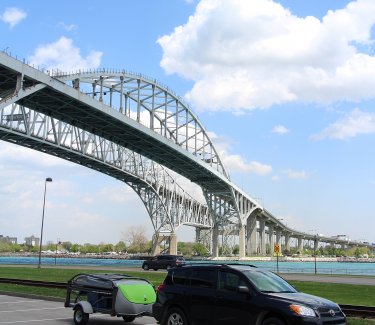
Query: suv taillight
[{"x": 160, "y": 287}]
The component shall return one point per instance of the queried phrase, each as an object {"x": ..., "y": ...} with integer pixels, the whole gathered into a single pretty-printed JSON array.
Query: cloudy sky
[{"x": 286, "y": 89}]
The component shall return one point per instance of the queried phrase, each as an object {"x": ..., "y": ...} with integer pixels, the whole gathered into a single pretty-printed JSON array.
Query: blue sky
[{"x": 286, "y": 89}]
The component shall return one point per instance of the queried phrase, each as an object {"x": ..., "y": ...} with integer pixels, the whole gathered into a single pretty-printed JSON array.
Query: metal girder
[
  {"x": 108, "y": 110},
  {"x": 169, "y": 206}
]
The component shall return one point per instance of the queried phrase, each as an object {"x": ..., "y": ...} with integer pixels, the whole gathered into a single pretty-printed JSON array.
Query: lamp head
[{"x": 48, "y": 179}]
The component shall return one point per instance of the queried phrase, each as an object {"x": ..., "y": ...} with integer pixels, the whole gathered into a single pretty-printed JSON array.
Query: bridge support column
[
  {"x": 173, "y": 244},
  {"x": 242, "y": 241},
  {"x": 215, "y": 241},
  {"x": 262, "y": 237},
  {"x": 300, "y": 244},
  {"x": 287, "y": 241},
  {"x": 316, "y": 244},
  {"x": 278, "y": 236},
  {"x": 155, "y": 244},
  {"x": 271, "y": 239},
  {"x": 251, "y": 235}
]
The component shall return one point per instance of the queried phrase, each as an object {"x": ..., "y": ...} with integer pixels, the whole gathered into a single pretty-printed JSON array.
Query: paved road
[{"x": 17, "y": 310}]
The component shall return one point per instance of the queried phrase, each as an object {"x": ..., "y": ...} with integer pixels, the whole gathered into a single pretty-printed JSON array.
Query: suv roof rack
[
  {"x": 217, "y": 264},
  {"x": 240, "y": 264}
]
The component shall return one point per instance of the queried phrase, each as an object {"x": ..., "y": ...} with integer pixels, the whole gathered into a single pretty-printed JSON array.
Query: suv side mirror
[{"x": 243, "y": 289}]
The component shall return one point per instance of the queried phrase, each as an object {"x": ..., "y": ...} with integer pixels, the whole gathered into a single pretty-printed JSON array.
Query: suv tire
[
  {"x": 145, "y": 267},
  {"x": 175, "y": 316},
  {"x": 273, "y": 321}
]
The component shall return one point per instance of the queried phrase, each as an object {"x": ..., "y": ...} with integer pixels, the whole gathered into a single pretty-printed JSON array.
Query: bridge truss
[{"x": 128, "y": 126}]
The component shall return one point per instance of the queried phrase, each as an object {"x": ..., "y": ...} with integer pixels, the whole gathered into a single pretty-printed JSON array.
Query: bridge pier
[
  {"x": 215, "y": 241},
  {"x": 251, "y": 240},
  {"x": 262, "y": 237},
  {"x": 271, "y": 238},
  {"x": 300, "y": 244},
  {"x": 157, "y": 239},
  {"x": 287, "y": 241},
  {"x": 278, "y": 236},
  {"x": 242, "y": 241},
  {"x": 173, "y": 244}
]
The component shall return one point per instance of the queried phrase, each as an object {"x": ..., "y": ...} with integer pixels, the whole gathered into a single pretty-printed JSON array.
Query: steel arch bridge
[{"x": 129, "y": 126}]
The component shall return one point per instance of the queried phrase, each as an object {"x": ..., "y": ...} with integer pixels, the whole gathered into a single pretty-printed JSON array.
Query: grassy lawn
[
  {"x": 346, "y": 294},
  {"x": 359, "y": 321}
]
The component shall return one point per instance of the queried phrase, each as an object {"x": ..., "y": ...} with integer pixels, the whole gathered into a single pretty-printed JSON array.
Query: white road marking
[
  {"x": 30, "y": 309},
  {"x": 34, "y": 320},
  {"x": 19, "y": 301}
]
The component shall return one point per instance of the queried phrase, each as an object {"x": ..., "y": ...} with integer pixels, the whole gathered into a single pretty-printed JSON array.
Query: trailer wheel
[
  {"x": 128, "y": 319},
  {"x": 80, "y": 317}
]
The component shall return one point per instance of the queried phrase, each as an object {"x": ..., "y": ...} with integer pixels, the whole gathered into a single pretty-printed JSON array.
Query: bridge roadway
[{"x": 146, "y": 118}]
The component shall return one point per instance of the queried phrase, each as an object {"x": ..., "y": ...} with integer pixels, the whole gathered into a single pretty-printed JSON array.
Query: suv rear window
[
  {"x": 203, "y": 278},
  {"x": 180, "y": 277}
]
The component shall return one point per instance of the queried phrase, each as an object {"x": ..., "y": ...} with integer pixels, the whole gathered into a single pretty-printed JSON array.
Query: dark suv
[
  {"x": 237, "y": 294},
  {"x": 163, "y": 262}
]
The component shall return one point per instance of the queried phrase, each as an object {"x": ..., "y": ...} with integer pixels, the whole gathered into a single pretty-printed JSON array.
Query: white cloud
[
  {"x": 19, "y": 154},
  {"x": 65, "y": 56},
  {"x": 68, "y": 28},
  {"x": 13, "y": 16},
  {"x": 235, "y": 163},
  {"x": 255, "y": 54},
  {"x": 355, "y": 123},
  {"x": 296, "y": 174},
  {"x": 280, "y": 129}
]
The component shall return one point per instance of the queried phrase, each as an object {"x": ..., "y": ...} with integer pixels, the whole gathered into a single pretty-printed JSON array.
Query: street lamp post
[
  {"x": 315, "y": 239},
  {"x": 48, "y": 179}
]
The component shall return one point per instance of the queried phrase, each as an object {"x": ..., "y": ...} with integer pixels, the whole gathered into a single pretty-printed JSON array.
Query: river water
[{"x": 345, "y": 268}]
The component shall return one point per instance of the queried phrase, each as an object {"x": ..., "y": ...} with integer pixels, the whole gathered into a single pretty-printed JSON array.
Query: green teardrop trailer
[{"x": 114, "y": 294}]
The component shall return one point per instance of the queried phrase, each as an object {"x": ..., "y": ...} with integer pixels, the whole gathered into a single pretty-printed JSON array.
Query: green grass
[
  {"x": 59, "y": 275},
  {"x": 359, "y": 321},
  {"x": 346, "y": 294}
]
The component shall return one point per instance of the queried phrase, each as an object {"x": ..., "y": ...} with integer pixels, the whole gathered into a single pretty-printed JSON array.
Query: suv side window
[
  {"x": 180, "y": 277},
  {"x": 229, "y": 281},
  {"x": 203, "y": 278}
]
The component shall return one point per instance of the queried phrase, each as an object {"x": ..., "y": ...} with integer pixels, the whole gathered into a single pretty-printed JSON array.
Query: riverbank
[
  {"x": 134, "y": 257},
  {"x": 295, "y": 259}
]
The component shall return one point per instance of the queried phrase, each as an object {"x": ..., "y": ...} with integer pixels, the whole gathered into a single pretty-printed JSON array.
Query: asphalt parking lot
[{"x": 17, "y": 310}]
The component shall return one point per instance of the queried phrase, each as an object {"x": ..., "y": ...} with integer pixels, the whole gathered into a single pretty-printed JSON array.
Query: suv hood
[{"x": 304, "y": 298}]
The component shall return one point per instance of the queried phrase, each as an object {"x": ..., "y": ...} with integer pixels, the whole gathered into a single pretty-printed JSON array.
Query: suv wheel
[
  {"x": 175, "y": 316},
  {"x": 273, "y": 321},
  {"x": 145, "y": 267}
]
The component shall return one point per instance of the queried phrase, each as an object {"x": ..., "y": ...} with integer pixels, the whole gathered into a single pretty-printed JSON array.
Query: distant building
[
  {"x": 8, "y": 240},
  {"x": 32, "y": 241}
]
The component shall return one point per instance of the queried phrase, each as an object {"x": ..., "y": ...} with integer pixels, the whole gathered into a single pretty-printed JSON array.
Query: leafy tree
[
  {"x": 136, "y": 237},
  {"x": 67, "y": 245},
  {"x": 75, "y": 248},
  {"x": 236, "y": 249},
  {"x": 199, "y": 249},
  {"x": 120, "y": 247}
]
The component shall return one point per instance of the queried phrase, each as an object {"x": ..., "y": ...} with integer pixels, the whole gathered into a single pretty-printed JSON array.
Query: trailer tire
[
  {"x": 128, "y": 319},
  {"x": 80, "y": 317}
]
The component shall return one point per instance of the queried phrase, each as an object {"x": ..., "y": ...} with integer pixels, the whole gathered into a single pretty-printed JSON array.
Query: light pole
[{"x": 48, "y": 179}]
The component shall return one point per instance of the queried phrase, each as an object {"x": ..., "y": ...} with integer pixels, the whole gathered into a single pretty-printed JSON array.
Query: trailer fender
[{"x": 86, "y": 306}]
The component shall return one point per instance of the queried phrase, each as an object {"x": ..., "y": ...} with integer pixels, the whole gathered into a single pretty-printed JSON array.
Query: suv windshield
[{"x": 266, "y": 281}]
